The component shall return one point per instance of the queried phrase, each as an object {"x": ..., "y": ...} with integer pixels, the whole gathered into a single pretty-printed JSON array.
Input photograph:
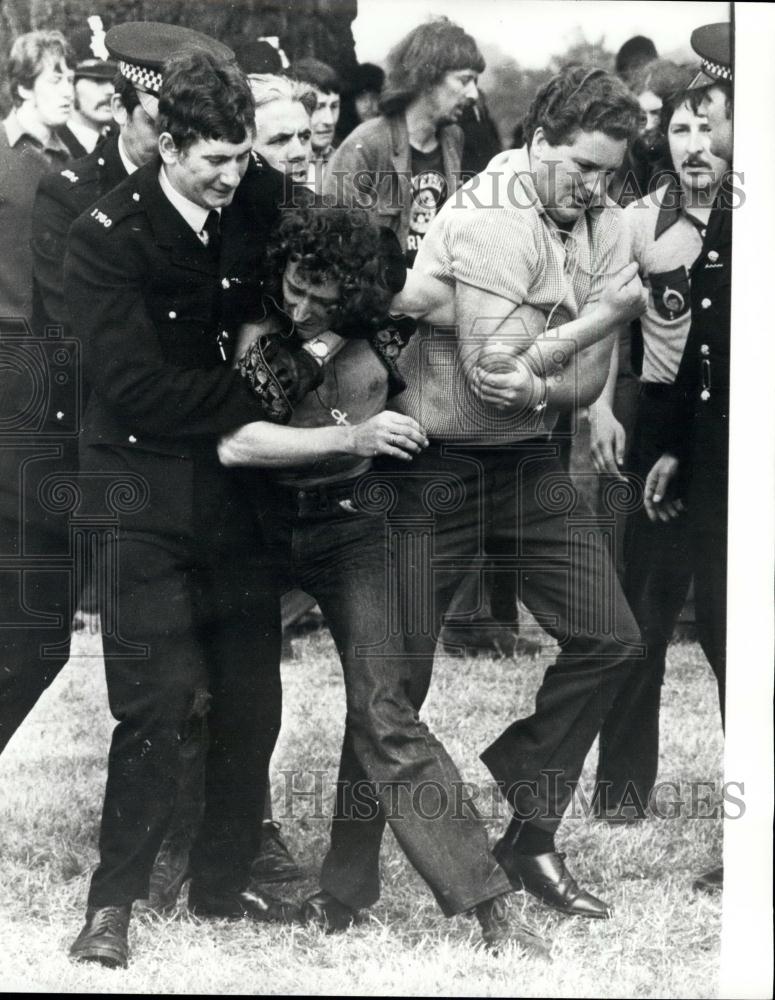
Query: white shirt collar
[
  {"x": 15, "y": 130},
  {"x": 128, "y": 165},
  {"x": 88, "y": 137},
  {"x": 194, "y": 214}
]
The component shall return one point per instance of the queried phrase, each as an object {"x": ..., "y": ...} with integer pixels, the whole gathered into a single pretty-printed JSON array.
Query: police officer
[
  {"x": 158, "y": 276},
  {"x": 94, "y": 73},
  {"x": 60, "y": 200},
  {"x": 64, "y": 195},
  {"x": 695, "y": 435},
  {"x": 34, "y": 654}
]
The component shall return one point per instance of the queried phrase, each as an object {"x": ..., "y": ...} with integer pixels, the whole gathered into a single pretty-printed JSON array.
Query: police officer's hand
[
  {"x": 655, "y": 493},
  {"x": 607, "y": 439},
  {"x": 387, "y": 433},
  {"x": 624, "y": 298}
]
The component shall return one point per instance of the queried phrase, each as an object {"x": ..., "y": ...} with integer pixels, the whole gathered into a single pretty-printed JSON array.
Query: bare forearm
[
  {"x": 276, "y": 446},
  {"x": 582, "y": 380},
  {"x": 553, "y": 350},
  {"x": 609, "y": 389}
]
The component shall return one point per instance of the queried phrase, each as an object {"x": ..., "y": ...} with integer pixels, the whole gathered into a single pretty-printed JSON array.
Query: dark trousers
[
  {"x": 389, "y": 756},
  {"x": 39, "y": 577},
  {"x": 707, "y": 521},
  {"x": 709, "y": 560},
  {"x": 658, "y": 571},
  {"x": 198, "y": 619},
  {"x": 450, "y": 508}
]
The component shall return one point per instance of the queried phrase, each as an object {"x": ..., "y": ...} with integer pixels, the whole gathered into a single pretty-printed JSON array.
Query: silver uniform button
[
  {"x": 705, "y": 395},
  {"x": 60, "y": 415},
  {"x": 712, "y": 256},
  {"x": 226, "y": 284},
  {"x": 703, "y": 233},
  {"x": 706, "y": 303},
  {"x": 135, "y": 196},
  {"x": 172, "y": 314},
  {"x": 132, "y": 439},
  {"x": 704, "y": 350},
  {"x": 101, "y": 162}
]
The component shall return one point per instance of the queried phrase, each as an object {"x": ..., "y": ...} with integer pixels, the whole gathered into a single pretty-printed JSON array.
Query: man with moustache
[
  {"x": 693, "y": 435},
  {"x": 665, "y": 232},
  {"x": 159, "y": 275},
  {"x": 94, "y": 73},
  {"x": 403, "y": 165},
  {"x": 63, "y": 196}
]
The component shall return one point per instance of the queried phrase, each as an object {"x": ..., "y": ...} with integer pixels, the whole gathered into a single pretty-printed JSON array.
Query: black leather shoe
[
  {"x": 712, "y": 881},
  {"x": 205, "y": 902},
  {"x": 103, "y": 938},
  {"x": 497, "y": 929},
  {"x": 274, "y": 862},
  {"x": 546, "y": 877},
  {"x": 327, "y": 912}
]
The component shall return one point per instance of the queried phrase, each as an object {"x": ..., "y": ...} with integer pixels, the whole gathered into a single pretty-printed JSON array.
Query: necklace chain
[{"x": 332, "y": 404}]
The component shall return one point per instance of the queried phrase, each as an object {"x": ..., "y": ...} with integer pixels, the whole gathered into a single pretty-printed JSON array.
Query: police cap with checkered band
[
  {"x": 713, "y": 44},
  {"x": 143, "y": 47}
]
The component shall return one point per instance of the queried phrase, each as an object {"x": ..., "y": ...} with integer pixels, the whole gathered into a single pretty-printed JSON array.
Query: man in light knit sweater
[
  {"x": 665, "y": 231},
  {"x": 530, "y": 242}
]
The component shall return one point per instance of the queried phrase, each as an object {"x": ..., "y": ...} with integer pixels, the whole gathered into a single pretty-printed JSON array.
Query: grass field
[{"x": 663, "y": 941}]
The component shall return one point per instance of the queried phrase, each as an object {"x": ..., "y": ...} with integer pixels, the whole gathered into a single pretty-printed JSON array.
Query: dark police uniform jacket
[
  {"x": 76, "y": 148},
  {"x": 60, "y": 199},
  {"x": 697, "y": 429},
  {"x": 44, "y": 392},
  {"x": 158, "y": 318}
]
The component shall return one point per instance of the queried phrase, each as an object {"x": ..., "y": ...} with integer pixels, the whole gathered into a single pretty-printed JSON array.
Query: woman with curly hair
[{"x": 336, "y": 273}]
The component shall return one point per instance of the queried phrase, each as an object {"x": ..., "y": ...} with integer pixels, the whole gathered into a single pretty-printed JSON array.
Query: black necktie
[{"x": 212, "y": 227}]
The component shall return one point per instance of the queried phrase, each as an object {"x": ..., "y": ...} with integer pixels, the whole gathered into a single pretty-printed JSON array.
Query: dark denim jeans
[{"x": 389, "y": 756}]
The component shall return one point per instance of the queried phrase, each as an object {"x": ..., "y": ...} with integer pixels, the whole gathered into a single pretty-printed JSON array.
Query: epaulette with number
[{"x": 116, "y": 205}]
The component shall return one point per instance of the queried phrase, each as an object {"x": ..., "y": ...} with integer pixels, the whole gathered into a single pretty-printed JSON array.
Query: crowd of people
[{"x": 258, "y": 348}]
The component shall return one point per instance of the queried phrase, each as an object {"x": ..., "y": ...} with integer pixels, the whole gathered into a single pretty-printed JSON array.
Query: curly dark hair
[
  {"x": 582, "y": 100},
  {"x": 344, "y": 245}
]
